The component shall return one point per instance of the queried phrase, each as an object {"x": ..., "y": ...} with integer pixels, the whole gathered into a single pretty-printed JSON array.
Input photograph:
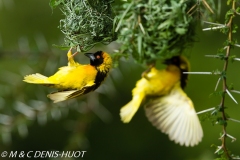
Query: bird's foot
[
  {"x": 70, "y": 57},
  {"x": 74, "y": 54},
  {"x": 69, "y": 54},
  {"x": 144, "y": 74}
]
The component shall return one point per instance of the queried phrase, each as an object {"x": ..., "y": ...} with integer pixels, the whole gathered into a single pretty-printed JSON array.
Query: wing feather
[
  {"x": 65, "y": 95},
  {"x": 175, "y": 115},
  {"x": 60, "y": 96}
]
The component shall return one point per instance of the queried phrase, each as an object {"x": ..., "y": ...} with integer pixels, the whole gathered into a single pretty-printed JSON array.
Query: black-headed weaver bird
[
  {"x": 75, "y": 79},
  {"x": 168, "y": 107}
]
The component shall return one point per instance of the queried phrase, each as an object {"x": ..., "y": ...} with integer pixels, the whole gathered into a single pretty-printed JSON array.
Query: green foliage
[
  {"x": 152, "y": 30},
  {"x": 238, "y": 9},
  {"x": 220, "y": 151},
  {"x": 54, "y": 3},
  {"x": 235, "y": 156},
  {"x": 225, "y": 54},
  {"x": 217, "y": 93},
  {"x": 232, "y": 58},
  {"x": 214, "y": 117},
  {"x": 235, "y": 27},
  {"x": 221, "y": 56},
  {"x": 19, "y": 110},
  {"x": 228, "y": 15},
  {"x": 86, "y": 22},
  {"x": 221, "y": 121},
  {"x": 208, "y": 117},
  {"x": 224, "y": 30},
  {"x": 229, "y": 2},
  {"x": 231, "y": 86},
  {"x": 223, "y": 74},
  {"x": 230, "y": 43}
]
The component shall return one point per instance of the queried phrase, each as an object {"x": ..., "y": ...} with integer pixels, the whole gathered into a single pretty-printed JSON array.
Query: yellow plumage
[
  {"x": 150, "y": 85},
  {"x": 168, "y": 108},
  {"x": 75, "y": 79}
]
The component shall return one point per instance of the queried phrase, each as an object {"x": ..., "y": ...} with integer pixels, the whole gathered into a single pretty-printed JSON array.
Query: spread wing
[{"x": 175, "y": 115}]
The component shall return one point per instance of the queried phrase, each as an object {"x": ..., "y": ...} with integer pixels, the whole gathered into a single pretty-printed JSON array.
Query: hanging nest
[
  {"x": 86, "y": 22},
  {"x": 155, "y": 29}
]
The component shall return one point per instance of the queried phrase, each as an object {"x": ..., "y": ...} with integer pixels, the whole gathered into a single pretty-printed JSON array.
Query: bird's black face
[
  {"x": 174, "y": 60},
  {"x": 178, "y": 61},
  {"x": 182, "y": 64},
  {"x": 96, "y": 59}
]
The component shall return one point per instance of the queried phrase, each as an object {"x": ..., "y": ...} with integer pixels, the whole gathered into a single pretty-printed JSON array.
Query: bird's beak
[{"x": 90, "y": 55}]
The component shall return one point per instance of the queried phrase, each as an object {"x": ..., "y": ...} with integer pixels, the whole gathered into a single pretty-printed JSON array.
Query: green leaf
[
  {"x": 54, "y": 3},
  {"x": 61, "y": 47},
  {"x": 229, "y": 2},
  {"x": 238, "y": 9},
  {"x": 231, "y": 86},
  {"x": 234, "y": 28},
  {"x": 231, "y": 58},
  {"x": 223, "y": 74},
  {"x": 181, "y": 31},
  {"x": 217, "y": 93},
  {"x": 221, "y": 56},
  {"x": 139, "y": 38},
  {"x": 221, "y": 121}
]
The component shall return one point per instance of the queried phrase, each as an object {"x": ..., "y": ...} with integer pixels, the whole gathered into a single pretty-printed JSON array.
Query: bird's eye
[
  {"x": 175, "y": 60},
  {"x": 98, "y": 57}
]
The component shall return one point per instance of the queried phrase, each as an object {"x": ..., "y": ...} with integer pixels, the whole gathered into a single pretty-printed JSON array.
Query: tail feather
[{"x": 37, "y": 79}]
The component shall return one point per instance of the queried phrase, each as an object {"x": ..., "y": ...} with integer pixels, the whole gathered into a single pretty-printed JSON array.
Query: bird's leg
[
  {"x": 71, "y": 61},
  {"x": 69, "y": 54},
  {"x": 74, "y": 54},
  {"x": 144, "y": 74}
]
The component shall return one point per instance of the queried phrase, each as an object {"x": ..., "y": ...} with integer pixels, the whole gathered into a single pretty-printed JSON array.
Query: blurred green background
[{"x": 31, "y": 122}]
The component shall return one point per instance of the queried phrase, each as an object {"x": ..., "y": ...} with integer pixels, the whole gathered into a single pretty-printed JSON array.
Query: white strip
[
  {"x": 237, "y": 45},
  {"x": 209, "y": 73},
  {"x": 233, "y": 138},
  {"x": 235, "y": 91},
  {"x": 214, "y": 28},
  {"x": 231, "y": 96},
  {"x": 234, "y": 120},
  {"x": 217, "y": 24},
  {"x": 237, "y": 59},
  {"x": 217, "y": 83},
  {"x": 219, "y": 148},
  {"x": 197, "y": 72},
  {"x": 215, "y": 56},
  {"x": 206, "y": 110}
]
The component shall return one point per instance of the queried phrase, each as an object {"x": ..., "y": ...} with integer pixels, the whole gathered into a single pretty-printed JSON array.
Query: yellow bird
[
  {"x": 168, "y": 107},
  {"x": 75, "y": 79}
]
